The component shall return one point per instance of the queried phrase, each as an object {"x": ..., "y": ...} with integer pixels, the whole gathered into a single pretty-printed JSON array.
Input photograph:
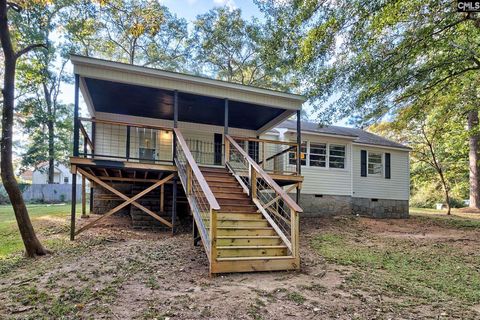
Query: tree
[
  {"x": 45, "y": 119},
  {"x": 371, "y": 59},
  {"x": 435, "y": 131},
  {"x": 32, "y": 244},
  {"x": 232, "y": 49},
  {"x": 135, "y": 32}
]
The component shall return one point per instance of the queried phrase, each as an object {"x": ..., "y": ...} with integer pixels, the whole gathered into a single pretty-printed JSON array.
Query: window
[
  {"x": 375, "y": 165},
  {"x": 65, "y": 180},
  {"x": 292, "y": 156},
  {"x": 318, "y": 155},
  {"x": 336, "y": 157}
]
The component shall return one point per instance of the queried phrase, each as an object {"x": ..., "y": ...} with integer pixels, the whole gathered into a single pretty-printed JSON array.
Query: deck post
[
  {"x": 299, "y": 151},
  {"x": 127, "y": 146},
  {"x": 76, "y": 136},
  {"x": 84, "y": 196},
  {"x": 225, "y": 128},
  {"x": 91, "y": 197},
  {"x": 174, "y": 186},
  {"x": 94, "y": 129}
]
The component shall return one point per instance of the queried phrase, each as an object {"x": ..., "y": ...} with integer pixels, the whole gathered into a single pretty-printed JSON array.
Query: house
[
  {"x": 349, "y": 170},
  {"x": 61, "y": 174},
  {"x": 167, "y": 148}
]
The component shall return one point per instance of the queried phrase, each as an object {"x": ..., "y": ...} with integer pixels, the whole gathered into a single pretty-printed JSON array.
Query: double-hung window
[
  {"x": 318, "y": 155},
  {"x": 375, "y": 163},
  {"x": 336, "y": 156}
]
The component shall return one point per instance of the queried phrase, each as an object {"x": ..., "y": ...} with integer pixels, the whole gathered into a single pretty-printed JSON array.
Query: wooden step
[
  {"x": 248, "y": 240},
  {"x": 243, "y": 223},
  {"x": 251, "y": 264},
  {"x": 222, "y": 186},
  {"x": 224, "y": 195},
  {"x": 251, "y": 251},
  {"x": 233, "y": 201},
  {"x": 238, "y": 215},
  {"x": 245, "y": 231},
  {"x": 213, "y": 169},
  {"x": 225, "y": 180},
  {"x": 246, "y": 208}
]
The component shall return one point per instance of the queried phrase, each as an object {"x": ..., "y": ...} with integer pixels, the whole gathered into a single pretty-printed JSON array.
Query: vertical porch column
[
  {"x": 299, "y": 151},
  {"x": 225, "y": 132},
  {"x": 174, "y": 185},
  {"x": 94, "y": 129},
  {"x": 127, "y": 145},
  {"x": 76, "y": 135}
]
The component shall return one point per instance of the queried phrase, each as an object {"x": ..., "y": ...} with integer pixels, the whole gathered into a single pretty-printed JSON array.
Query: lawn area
[
  {"x": 48, "y": 220},
  {"x": 352, "y": 268}
]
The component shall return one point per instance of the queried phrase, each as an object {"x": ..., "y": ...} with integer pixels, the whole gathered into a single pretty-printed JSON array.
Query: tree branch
[{"x": 29, "y": 48}]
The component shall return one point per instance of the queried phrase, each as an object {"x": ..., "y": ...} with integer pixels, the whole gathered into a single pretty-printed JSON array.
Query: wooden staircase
[
  {"x": 243, "y": 227},
  {"x": 245, "y": 239}
]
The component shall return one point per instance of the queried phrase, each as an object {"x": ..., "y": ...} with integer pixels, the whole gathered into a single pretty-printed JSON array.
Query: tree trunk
[
  {"x": 51, "y": 135},
  {"x": 33, "y": 246},
  {"x": 474, "y": 162}
]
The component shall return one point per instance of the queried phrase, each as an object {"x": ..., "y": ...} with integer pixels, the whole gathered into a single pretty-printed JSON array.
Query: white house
[
  {"x": 62, "y": 174},
  {"x": 350, "y": 170}
]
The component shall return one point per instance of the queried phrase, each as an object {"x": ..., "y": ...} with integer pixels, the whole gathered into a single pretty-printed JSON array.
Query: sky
[{"x": 189, "y": 9}]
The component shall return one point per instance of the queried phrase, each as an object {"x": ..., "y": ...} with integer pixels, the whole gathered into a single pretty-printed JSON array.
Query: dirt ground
[{"x": 114, "y": 272}]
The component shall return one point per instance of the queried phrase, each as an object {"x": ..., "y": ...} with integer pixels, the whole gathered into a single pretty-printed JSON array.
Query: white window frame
[
  {"x": 309, "y": 149},
  {"x": 327, "y": 156},
  {"x": 382, "y": 164},
  {"x": 344, "y": 155}
]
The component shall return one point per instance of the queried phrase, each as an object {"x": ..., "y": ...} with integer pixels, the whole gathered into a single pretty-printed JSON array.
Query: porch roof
[{"x": 145, "y": 92}]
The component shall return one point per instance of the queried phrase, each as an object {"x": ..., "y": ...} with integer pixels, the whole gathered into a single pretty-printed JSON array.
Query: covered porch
[{"x": 156, "y": 128}]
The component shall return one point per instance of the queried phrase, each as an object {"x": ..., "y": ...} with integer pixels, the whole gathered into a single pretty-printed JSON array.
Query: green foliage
[{"x": 230, "y": 48}]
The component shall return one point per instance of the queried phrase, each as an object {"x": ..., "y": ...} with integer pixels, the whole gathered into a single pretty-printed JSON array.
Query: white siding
[
  {"x": 396, "y": 188},
  {"x": 327, "y": 181}
]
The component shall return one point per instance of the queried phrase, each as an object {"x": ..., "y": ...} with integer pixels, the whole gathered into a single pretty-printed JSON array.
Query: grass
[
  {"x": 457, "y": 219},
  {"x": 48, "y": 220},
  {"x": 432, "y": 273}
]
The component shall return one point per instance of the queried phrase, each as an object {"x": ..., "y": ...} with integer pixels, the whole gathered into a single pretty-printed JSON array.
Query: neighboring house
[
  {"x": 163, "y": 147},
  {"x": 26, "y": 176},
  {"x": 61, "y": 174},
  {"x": 350, "y": 170}
]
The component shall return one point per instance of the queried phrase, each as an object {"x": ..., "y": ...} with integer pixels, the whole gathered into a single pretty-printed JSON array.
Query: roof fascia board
[
  {"x": 324, "y": 134},
  {"x": 406, "y": 149}
]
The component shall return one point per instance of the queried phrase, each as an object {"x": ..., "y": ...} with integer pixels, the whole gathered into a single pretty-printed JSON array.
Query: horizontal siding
[
  {"x": 326, "y": 181},
  {"x": 396, "y": 188}
]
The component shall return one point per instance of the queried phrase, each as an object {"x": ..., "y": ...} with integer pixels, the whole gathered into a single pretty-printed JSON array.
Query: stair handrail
[
  {"x": 256, "y": 174},
  {"x": 285, "y": 197},
  {"x": 189, "y": 172}
]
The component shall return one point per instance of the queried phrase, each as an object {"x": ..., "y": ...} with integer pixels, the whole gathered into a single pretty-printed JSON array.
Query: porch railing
[
  {"x": 102, "y": 139},
  {"x": 273, "y": 156},
  {"x": 272, "y": 201},
  {"x": 200, "y": 197}
]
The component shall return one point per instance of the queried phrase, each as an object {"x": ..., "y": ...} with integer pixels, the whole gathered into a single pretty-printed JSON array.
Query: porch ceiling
[{"x": 135, "y": 100}]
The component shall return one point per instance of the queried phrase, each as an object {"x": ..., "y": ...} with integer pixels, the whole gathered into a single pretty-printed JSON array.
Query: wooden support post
[
  {"x": 213, "y": 239},
  {"x": 74, "y": 203},
  {"x": 84, "y": 198},
  {"x": 91, "y": 197},
  {"x": 294, "y": 232},
  {"x": 196, "y": 235},
  {"x": 227, "y": 151},
  {"x": 299, "y": 151},
  {"x": 263, "y": 155},
  {"x": 162, "y": 198},
  {"x": 127, "y": 147},
  {"x": 94, "y": 129},
  {"x": 175, "y": 124},
  {"x": 189, "y": 180},
  {"x": 253, "y": 183},
  {"x": 174, "y": 204}
]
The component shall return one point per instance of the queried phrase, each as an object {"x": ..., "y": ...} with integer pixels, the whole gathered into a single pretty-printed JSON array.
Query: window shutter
[
  {"x": 387, "y": 166},
  {"x": 363, "y": 163}
]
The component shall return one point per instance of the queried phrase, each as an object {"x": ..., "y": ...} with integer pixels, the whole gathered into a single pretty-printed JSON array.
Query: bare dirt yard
[{"x": 426, "y": 267}]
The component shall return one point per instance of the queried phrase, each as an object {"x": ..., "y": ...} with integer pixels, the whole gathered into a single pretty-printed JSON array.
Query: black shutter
[
  {"x": 363, "y": 163},
  {"x": 387, "y": 166}
]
